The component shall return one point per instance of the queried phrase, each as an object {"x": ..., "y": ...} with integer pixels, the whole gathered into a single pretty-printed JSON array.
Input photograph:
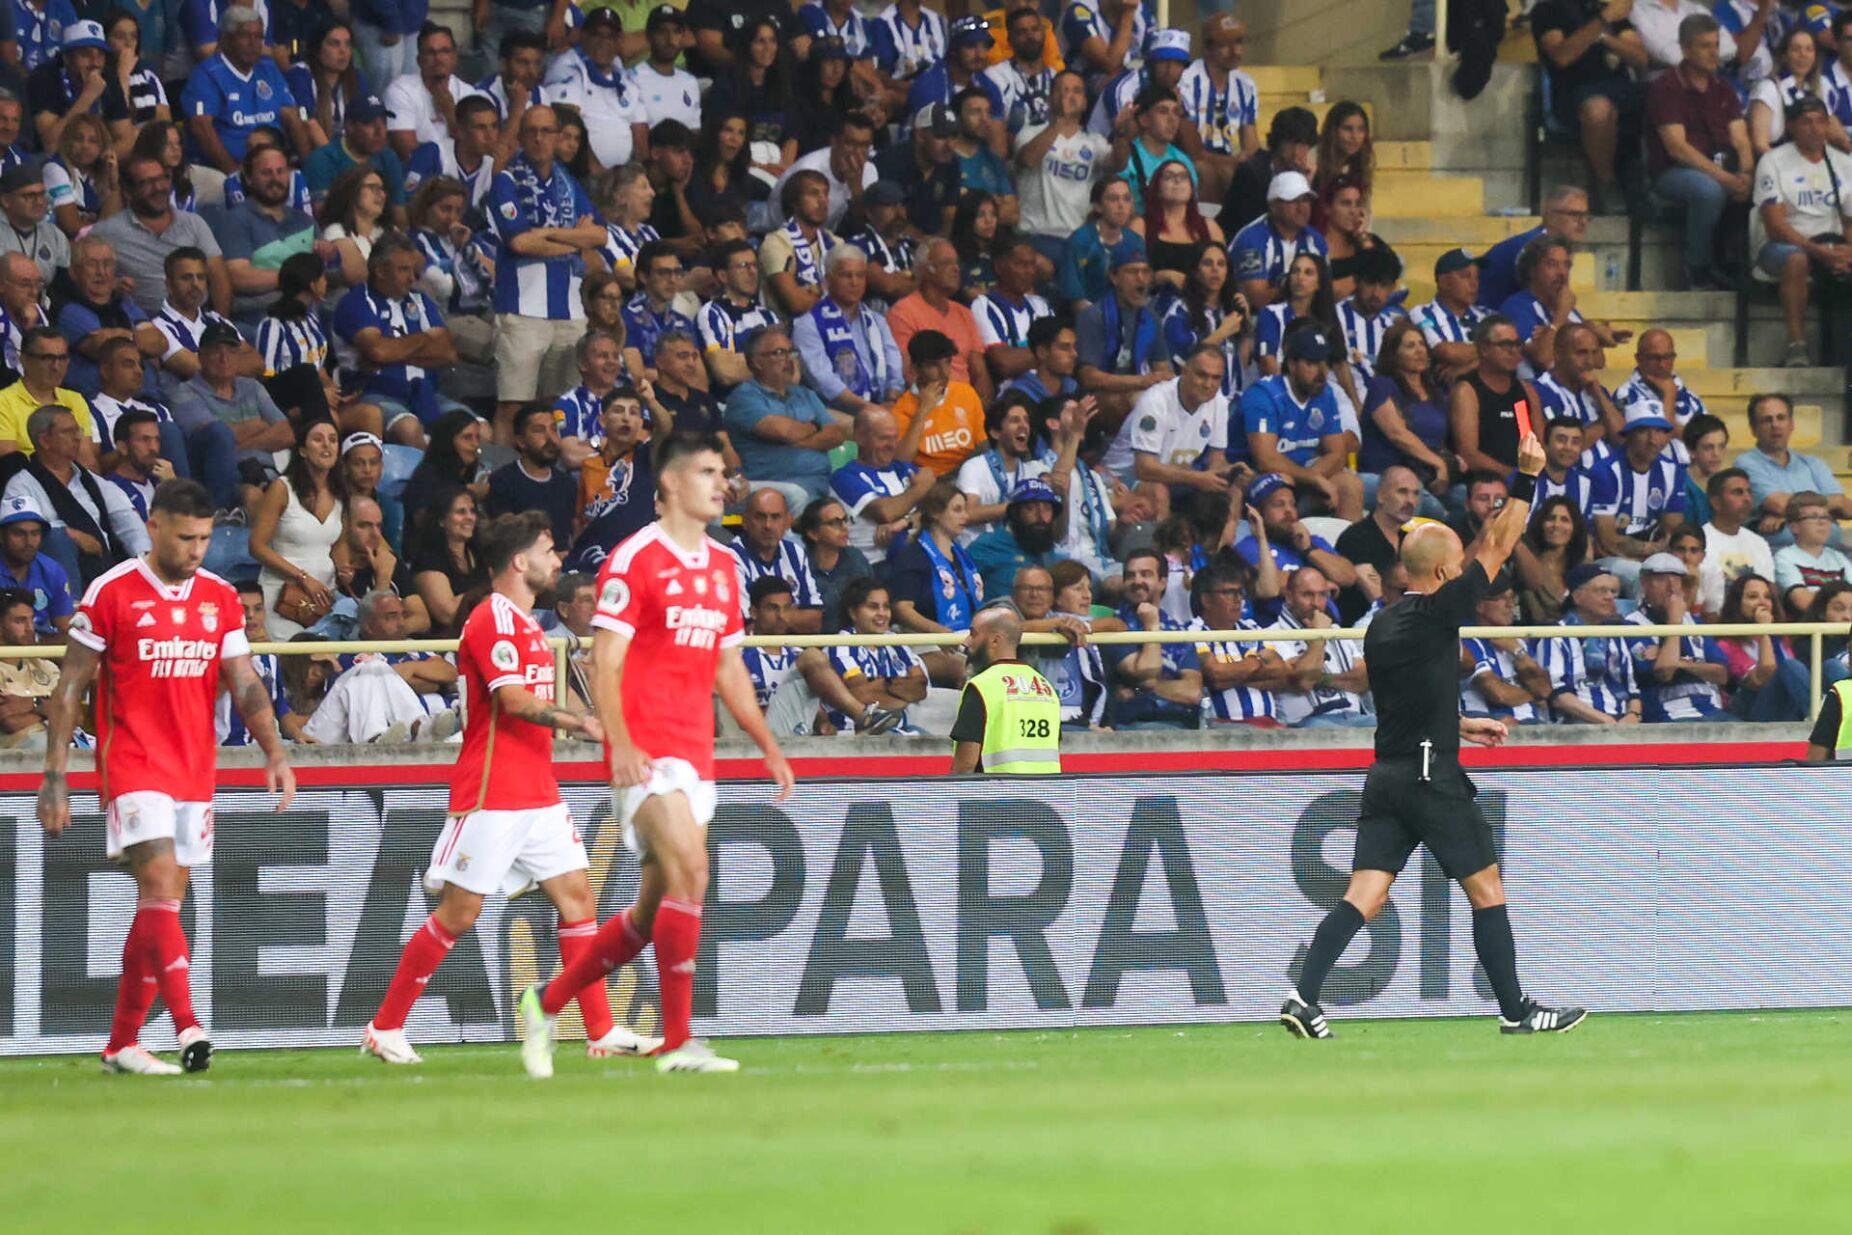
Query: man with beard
[
  {"x": 1023, "y": 80},
  {"x": 260, "y": 232},
  {"x": 1292, "y": 427},
  {"x": 1027, "y": 537},
  {"x": 617, "y": 482},
  {"x": 792, "y": 256},
  {"x": 1009, "y": 720},
  {"x": 150, "y": 229},
  {"x": 1156, "y": 685},
  {"x": 1286, "y": 538},
  {"x": 1545, "y": 303},
  {"x": 533, "y": 479},
  {"x": 844, "y": 164},
  {"x": 987, "y": 479}
]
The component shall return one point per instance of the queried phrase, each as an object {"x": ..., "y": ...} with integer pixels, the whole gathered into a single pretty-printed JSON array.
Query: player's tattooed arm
[
  {"x": 252, "y": 699},
  {"x": 75, "y": 675},
  {"x": 523, "y": 704}
]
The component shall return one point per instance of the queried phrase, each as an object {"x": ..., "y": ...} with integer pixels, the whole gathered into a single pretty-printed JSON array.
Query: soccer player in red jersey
[
  {"x": 158, "y": 635},
  {"x": 508, "y": 829},
  {"x": 666, "y": 600}
]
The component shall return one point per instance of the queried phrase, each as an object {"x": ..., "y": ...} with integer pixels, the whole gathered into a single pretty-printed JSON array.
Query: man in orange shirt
[
  {"x": 943, "y": 436},
  {"x": 932, "y": 307}
]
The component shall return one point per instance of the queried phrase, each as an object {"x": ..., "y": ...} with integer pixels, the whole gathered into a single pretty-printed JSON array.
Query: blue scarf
[
  {"x": 1144, "y": 332},
  {"x": 809, "y": 266},
  {"x": 614, "y": 80},
  {"x": 548, "y": 204},
  {"x": 839, "y": 345},
  {"x": 960, "y": 588}
]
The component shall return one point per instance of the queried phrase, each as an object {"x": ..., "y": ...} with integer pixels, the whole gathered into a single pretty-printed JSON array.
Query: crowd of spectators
[{"x": 1021, "y": 311}]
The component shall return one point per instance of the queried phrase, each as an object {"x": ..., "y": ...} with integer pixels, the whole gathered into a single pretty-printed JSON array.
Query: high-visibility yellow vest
[
  {"x": 1842, "y": 745},
  {"x": 1022, "y": 721}
]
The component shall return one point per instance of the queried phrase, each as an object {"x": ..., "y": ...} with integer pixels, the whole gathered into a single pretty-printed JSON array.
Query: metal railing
[{"x": 1814, "y": 632}]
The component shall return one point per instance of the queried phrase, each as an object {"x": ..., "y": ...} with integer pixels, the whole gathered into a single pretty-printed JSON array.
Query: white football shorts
[
  {"x": 507, "y": 851},
  {"x": 666, "y": 776},
  {"x": 148, "y": 814}
]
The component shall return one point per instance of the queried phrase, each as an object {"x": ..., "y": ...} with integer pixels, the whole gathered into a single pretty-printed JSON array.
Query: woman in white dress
[{"x": 298, "y": 522}]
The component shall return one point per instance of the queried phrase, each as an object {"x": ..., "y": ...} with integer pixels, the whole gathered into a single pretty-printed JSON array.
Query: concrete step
[
  {"x": 1412, "y": 155},
  {"x": 1712, "y": 312},
  {"x": 1709, "y": 383},
  {"x": 1477, "y": 233},
  {"x": 1419, "y": 194},
  {"x": 1273, "y": 79}
]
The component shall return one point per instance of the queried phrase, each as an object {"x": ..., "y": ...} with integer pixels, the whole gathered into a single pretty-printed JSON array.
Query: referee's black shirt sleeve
[{"x": 1826, "y": 729}]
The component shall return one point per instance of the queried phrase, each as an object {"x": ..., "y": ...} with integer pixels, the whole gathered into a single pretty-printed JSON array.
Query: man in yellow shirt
[
  {"x": 45, "y": 355},
  {"x": 953, "y": 423}
]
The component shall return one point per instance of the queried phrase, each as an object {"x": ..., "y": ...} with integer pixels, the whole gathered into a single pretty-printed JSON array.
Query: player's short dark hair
[
  {"x": 133, "y": 419},
  {"x": 1378, "y": 265},
  {"x": 966, "y": 95},
  {"x": 185, "y": 253},
  {"x": 526, "y": 412},
  {"x": 182, "y": 498},
  {"x": 767, "y": 586},
  {"x": 1713, "y": 488},
  {"x": 12, "y": 596},
  {"x": 649, "y": 254},
  {"x": 1561, "y": 422},
  {"x": 860, "y": 121},
  {"x": 1163, "y": 563},
  {"x": 670, "y": 135},
  {"x": 856, "y": 592},
  {"x": 1043, "y": 331},
  {"x": 721, "y": 255},
  {"x": 684, "y": 445},
  {"x": 507, "y": 536},
  {"x": 624, "y": 390},
  {"x": 1485, "y": 476}
]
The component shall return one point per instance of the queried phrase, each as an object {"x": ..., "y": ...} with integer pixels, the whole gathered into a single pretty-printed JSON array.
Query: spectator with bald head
[
  {"x": 1325, "y": 678},
  {"x": 934, "y": 307},
  {"x": 879, "y": 491},
  {"x": 1655, "y": 357},
  {"x": 764, "y": 548}
]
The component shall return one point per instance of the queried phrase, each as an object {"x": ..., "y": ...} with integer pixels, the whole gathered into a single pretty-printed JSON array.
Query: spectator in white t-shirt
[
  {"x": 1734, "y": 549},
  {"x": 1057, "y": 165},
  {"x": 1801, "y": 209},
  {"x": 422, "y": 107},
  {"x": 1177, "y": 433}
]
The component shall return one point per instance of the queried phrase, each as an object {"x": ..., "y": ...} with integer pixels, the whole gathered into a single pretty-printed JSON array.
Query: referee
[
  {"x": 1009, "y": 717},
  {"x": 1416, "y": 792}
]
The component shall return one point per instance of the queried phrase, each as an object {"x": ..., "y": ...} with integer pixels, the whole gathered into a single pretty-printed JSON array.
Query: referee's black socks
[
  {"x": 1328, "y": 943},
  {"x": 1499, "y": 954}
]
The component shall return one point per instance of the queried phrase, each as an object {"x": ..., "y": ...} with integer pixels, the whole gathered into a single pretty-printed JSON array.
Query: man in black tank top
[
  {"x": 1491, "y": 406},
  {"x": 1416, "y": 792}
]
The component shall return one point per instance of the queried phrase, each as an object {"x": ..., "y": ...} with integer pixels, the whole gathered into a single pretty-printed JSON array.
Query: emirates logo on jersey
[
  {"x": 694, "y": 626},
  {"x": 178, "y": 658}
]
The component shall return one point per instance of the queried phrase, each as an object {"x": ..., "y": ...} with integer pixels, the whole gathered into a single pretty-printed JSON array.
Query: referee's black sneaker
[
  {"x": 1539, "y": 1019},
  {"x": 1302, "y": 1019}
]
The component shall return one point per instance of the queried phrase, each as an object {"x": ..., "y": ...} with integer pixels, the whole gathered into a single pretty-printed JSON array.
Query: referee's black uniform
[{"x": 1416, "y": 793}]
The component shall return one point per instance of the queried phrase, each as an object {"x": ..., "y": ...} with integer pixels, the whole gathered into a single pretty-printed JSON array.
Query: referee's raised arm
[{"x": 1502, "y": 533}]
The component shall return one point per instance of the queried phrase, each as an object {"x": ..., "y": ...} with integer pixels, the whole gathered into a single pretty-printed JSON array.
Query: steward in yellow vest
[{"x": 1009, "y": 717}]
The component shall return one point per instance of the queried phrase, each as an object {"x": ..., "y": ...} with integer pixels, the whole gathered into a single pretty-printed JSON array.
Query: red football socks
[
  {"x": 575, "y": 939},
  {"x": 678, "y": 937},
  {"x": 159, "y": 924},
  {"x": 424, "y": 952},
  {"x": 616, "y": 943},
  {"x": 135, "y": 989}
]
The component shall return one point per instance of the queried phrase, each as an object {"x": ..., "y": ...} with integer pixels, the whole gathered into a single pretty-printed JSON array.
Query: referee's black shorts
[{"x": 1401, "y": 811}]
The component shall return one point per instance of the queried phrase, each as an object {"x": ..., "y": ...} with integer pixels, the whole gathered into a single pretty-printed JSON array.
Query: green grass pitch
[{"x": 1726, "y": 1122}]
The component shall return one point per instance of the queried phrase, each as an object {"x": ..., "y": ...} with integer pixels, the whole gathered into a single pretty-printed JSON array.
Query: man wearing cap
[
  {"x": 1697, "y": 145},
  {"x": 23, "y": 526},
  {"x": 925, "y": 171},
  {"x": 1681, "y": 676},
  {"x": 888, "y": 243},
  {"x": 422, "y": 106},
  {"x": 1102, "y": 38},
  {"x": 1262, "y": 251},
  {"x": 236, "y": 91},
  {"x": 593, "y": 79},
  {"x": 1498, "y": 676},
  {"x": 1150, "y": 141},
  {"x": 1028, "y": 536},
  {"x": 1167, "y": 55},
  {"x": 1292, "y": 427},
  {"x": 1802, "y": 217},
  {"x": 1221, "y": 105},
  {"x": 1592, "y": 681},
  {"x": 362, "y": 140},
  {"x": 1447, "y": 321},
  {"x": 71, "y": 84},
  {"x": 961, "y": 69},
  {"x": 1123, "y": 351},
  {"x": 844, "y": 163},
  {"x": 1176, "y": 438},
  {"x": 939, "y": 419},
  {"x": 1639, "y": 496},
  {"x": 29, "y": 228},
  {"x": 218, "y": 399},
  {"x": 849, "y": 356},
  {"x": 935, "y": 307},
  {"x": 1284, "y": 543},
  {"x": 1056, "y": 166},
  {"x": 668, "y": 92},
  {"x": 1023, "y": 80},
  {"x": 878, "y": 490}
]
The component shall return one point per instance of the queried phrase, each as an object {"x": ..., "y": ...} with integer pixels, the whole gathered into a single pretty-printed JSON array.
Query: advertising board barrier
[{"x": 1048, "y": 903}]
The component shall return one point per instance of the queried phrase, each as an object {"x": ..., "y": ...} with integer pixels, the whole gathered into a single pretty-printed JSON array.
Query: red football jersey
[
  {"x": 506, "y": 764},
  {"x": 161, "y": 648},
  {"x": 678, "y": 610}
]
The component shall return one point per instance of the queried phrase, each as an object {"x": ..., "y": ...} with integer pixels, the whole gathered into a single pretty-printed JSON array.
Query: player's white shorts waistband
[
  {"x": 148, "y": 814},
  {"x": 508, "y": 851},
  {"x": 666, "y": 776}
]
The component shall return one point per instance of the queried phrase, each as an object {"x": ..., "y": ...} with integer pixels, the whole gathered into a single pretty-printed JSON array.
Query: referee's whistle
[{"x": 1427, "y": 758}]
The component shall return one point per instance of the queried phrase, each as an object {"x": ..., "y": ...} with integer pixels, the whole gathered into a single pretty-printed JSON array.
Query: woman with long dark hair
[
  {"x": 1173, "y": 226},
  {"x": 452, "y": 460},
  {"x": 822, "y": 94},
  {"x": 133, "y": 93},
  {"x": 354, "y": 216},
  {"x": 1755, "y": 661},
  {"x": 1403, "y": 419},
  {"x": 326, "y": 81},
  {"x": 723, "y": 181},
  {"x": 1345, "y": 149},
  {"x": 1211, "y": 310},
  {"x": 760, "y": 87},
  {"x": 1308, "y": 294},
  {"x": 444, "y": 565},
  {"x": 296, "y": 526},
  {"x": 1555, "y": 543},
  {"x": 976, "y": 231}
]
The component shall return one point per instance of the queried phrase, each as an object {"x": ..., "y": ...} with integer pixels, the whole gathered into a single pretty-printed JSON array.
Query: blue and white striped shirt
[
  {"x": 462, "y": 269},
  {"x": 724, "y": 325},
  {"x": 1025, "y": 96},
  {"x": 1442, "y": 325},
  {"x": 855, "y": 31},
  {"x": 877, "y": 662},
  {"x": 1115, "y": 97},
  {"x": 903, "y": 51},
  {"x": 1363, "y": 332},
  {"x": 286, "y": 344},
  {"x": 576, "y": 413},
  {"x": 1685, "y": 405},
  {"x": 1258, "y": 251},
  {"x": 623, "y": 245},
  {"x": 229, "y": 723},
  {"x": 519, "y": 201},
  {"x": 768, "y": 668},
  {"x": 1577, "y": 485},
  {"x": 1182, "y": 335},
  {"x": 1599, "y": 672},
  {"x": 1001, "y": 323},
  {"x": 1488, "y": 658},
  {"x": 1684, "y": 697},
  {"x": 790, "y": 563},
  {"x": 1236, "y": 702},
  {"x": 1638, "y": 500},
  {"x": 1082, "y": 21},
  {"x": 1270, "y": 328},
  {"x": 1218, "y": 113}
]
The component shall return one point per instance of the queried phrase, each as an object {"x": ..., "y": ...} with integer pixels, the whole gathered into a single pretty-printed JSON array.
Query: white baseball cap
[
  {"x": 1289, "y": 187},
  {"x": 20, "y": 509}
]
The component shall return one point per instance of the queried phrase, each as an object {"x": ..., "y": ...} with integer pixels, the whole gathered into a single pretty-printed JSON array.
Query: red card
[{"x": 1523, "y": 412}]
